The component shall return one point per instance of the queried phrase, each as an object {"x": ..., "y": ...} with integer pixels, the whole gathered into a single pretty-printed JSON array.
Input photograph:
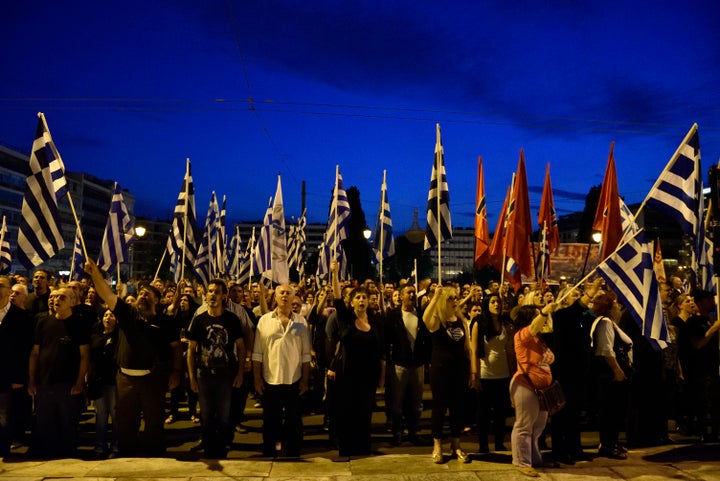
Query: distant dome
[{"x": 415, "y": 233}]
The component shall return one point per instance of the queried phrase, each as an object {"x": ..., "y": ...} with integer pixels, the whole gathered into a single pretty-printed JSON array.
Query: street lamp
[
  {"x": 139, "y": 232},
  {"x": 367, "y": 233},
  {"x": 596, "y": 237}
]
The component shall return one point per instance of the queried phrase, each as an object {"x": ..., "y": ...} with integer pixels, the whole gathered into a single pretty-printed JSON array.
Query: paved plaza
[{"x": 686, "y": 459}]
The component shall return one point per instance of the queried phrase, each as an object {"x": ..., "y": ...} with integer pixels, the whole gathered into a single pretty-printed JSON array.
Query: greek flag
[
  {"x": 221, "y": 242},
  {"x": 40, "y": 233},
  {"x": 439, "y": 226},
  {"x": 119, "y": 231},
  {"x": 205, "y": 260},
  {"x": 337, "y": 230},
  {"x": 280, "y": 271},
  {"x": 629, "y": 272},
  {"x": 78, "y": 261},
  {"x": 384, "y": 242},
  {"x": 262, "y": 256},
  {"x": 183, "y": 241},
  {"x": 627, "y": 219},
  {"x": 5, "y": 259},
  {"x": 246, "y": 260},
  {"x": 234, "y": 255},
  {"x": 296, "y": 246}
]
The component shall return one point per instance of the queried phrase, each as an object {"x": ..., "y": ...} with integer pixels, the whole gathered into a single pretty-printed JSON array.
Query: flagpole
[
  {"x": 335, "y": 217},
  {"x": 382, "y": 224},
  {"x": 185, "y": 217},
  {"x": 438, "y": 189},
  {"x": 690, "y": 133},
  {"x": 157, "y": 272}
]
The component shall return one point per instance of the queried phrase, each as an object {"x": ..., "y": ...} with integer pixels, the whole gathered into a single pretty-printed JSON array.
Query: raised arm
[
  {"x": 432, "y": 322},
  {"x": 102, "y": 288}
]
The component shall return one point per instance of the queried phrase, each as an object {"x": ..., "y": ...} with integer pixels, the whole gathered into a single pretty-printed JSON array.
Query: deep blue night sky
[{"x": 132, "y": 88}]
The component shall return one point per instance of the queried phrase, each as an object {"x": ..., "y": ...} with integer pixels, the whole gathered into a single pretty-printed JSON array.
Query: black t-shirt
[
  {"x": 143, "y": 343},
  {"x": 59, "y": 340},
  {"x": 706, "y": 360},
  {"x": 216, "y": 338}
]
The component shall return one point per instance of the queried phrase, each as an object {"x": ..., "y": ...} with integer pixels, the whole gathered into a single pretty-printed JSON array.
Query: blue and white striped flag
[
  {"x": 40, "y": 233},
  {"x": 280, "y": 271},
  {"x": 5, "y": 259},
  {"x": 205, "y": 260},
  {"x": 678, "y": 190},
  {"x": 629, "y": 272},
  {"x": 183, "y": 240},
  {"x": 234, "y": 255},
  {"x": 119, "y": 231},
  {"x": 245, "y": 261},
  {"x": 296, "y": 246},
  {"x": 384, "y": 242},
  {"x": 221, "y": 242},
  {"x": 78, "y": 261},
  {"x": 629, "y": 225},
  {"x": 439, "y": 226},
  {"x": 262, "y": 256},
  {"x": 337, "y": 231}
]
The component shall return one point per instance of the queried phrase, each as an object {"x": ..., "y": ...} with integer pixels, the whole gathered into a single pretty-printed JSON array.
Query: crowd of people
[{"x": 136, "y": 351}]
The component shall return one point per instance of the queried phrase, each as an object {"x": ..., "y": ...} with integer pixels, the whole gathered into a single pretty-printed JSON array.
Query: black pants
[
  {"x": 493, "y": 409},
  {"x": 612, "y": 410},
  {"x": 282, "y": 418},
  {"x": 136, "y": 396},
  {"x": 565, "y": 425},
  {"x": 448, "y": 390}
]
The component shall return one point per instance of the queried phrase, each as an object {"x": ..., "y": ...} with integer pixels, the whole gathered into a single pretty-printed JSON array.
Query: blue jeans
[
  {"x": 105, "y": 409},
  {"x": 215, "y": 396},
  {"x": 406, "y": 389}
]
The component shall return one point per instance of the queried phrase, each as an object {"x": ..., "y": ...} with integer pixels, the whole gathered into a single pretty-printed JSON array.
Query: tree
[{"x": 356, "y": 247}]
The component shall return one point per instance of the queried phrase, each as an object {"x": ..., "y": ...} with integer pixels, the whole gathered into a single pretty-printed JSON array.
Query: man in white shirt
[{"x": 281, "y": 363}]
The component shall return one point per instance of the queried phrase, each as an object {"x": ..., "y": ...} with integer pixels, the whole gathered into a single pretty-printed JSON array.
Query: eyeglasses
[{"x": 451, "y": 298}]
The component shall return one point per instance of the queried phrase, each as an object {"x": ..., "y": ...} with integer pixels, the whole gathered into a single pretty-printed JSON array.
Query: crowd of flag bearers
[{"x": 618, "y": 340}]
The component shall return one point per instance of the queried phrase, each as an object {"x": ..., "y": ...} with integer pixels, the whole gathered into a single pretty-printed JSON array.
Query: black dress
[
  {"x": 449, "y": 371},
  {"x": 356, "y": 380}
]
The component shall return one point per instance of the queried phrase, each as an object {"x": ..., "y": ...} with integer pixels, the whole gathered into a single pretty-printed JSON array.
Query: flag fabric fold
[
  {"x": 77, "y": 266},
  {"x": 297, "y": 246},
  {"x": 221, "y": 242},
  {"x": 280, "y": 271},
  {"x": 607, "y": 216},
  {"x": 245, "y": 262},
  {"x": 337, "y": 230},
  {"x": 482, "y": 236},
  {"x": 383, "y": 242},
  {"x": 262, "y": 255},
  {"x": 496, "y": 251},
  {"x": 439, "y": 225},
  {"x": 5, "y": 258},
  {"x": 678, "y": 192},
  {"x": 518, "y": 233},
  {"x": 629, "y": 272},
  {"x": 119, "y": 231},
  {"x": 40, "y": 234},
  {"x": 205, "y": 260},
  {"x": 549, "y": 235},
  {"x": 233, "y": 258},
  {"x": 182, "y": 243}
]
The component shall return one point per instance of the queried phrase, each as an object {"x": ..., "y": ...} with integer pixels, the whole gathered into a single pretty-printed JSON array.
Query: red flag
[
  {"x": 607, "y": 217},
  {"x": 482, "y": 237},
  {"x": 547, "y": 218},
  {"x": 497, "y": 248},
  {"x": 519, "y": 229}
]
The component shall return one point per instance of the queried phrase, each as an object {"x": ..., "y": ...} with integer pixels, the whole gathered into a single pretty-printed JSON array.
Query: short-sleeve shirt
[
  {"x": 535, "y": 357},
  {"x": 59, "y": 341},
  {"x": 281, "y": 351},
  {"x": 215, "y": 337}
]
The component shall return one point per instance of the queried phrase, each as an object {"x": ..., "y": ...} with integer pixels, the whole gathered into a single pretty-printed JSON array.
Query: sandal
[
  {"x": 528, "y": 471},
  {"x": 170, "y": 419},
  {"x": 461, "y": 456},
  {"x": 437, "y": 457}
]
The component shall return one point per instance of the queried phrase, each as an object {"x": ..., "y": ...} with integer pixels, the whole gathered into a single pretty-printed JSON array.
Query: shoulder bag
[{"x": 551, "y": 398}]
